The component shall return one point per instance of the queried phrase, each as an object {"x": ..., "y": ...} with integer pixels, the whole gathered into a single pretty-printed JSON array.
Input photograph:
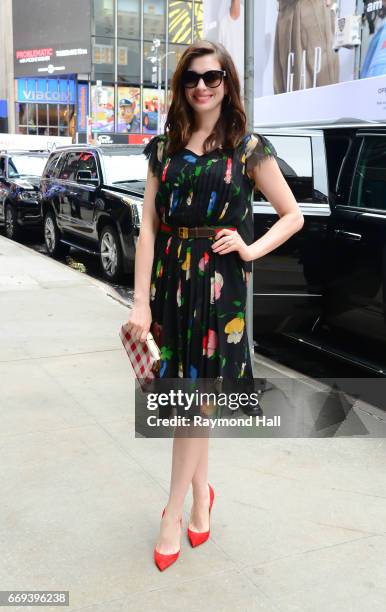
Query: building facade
[{"x": 98, "y": 66}]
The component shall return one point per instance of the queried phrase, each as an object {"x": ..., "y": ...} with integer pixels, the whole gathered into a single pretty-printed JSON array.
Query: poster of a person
[{"x": 224, "y": 23}]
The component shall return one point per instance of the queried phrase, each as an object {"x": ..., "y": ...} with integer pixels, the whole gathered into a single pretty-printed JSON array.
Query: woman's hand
[
  {"x": 227, "y": 241},
  {"x": 140, "y": 320}
]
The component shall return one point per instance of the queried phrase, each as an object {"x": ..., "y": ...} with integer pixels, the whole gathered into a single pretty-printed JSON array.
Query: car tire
[
  {"x": 12, "y": 229},
  {"x": 110, "y": 254},
  {"x": 52, "y": 236}
]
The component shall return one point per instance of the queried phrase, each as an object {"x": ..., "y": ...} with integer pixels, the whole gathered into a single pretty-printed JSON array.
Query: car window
[
  {"x": 26, "y": 165},
  {"x": 70, "y": 165},
  {"x": 87, "y": 162},
  {"x": 294, "y": 156},
  {"x": 52, "y": 167},
  {"x": 369, "y": 181},
  {"x": 2, "y": 166}
]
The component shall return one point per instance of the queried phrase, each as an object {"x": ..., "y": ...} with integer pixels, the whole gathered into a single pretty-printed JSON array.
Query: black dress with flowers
[{"x": 198, "y": 297}]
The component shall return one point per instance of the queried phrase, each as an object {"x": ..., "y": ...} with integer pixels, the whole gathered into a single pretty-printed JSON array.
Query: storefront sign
[
  {"x": 82, "y": 107},
  {"x": 49, "y": 91}
]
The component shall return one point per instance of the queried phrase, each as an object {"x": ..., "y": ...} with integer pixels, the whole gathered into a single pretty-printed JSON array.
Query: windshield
[
  {"x": 26, "y": 165},
  {"x": 121, "y": 168}
]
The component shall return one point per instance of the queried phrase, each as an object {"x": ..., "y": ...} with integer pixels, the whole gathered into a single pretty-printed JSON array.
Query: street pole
[{"x": 248, "y": 105}]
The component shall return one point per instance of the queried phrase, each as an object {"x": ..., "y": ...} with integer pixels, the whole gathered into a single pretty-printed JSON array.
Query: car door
[
  {"x": 287, "y": 282},
  {"x": 67, "y": 189},
  {"x": 82, "y": 207},
  {"x": 355, "y": 291}
]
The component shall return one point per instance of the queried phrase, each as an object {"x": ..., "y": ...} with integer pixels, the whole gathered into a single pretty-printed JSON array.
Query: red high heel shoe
[
  {"x": 199, "y": 537},
  {"x": 163, "y": 561}
]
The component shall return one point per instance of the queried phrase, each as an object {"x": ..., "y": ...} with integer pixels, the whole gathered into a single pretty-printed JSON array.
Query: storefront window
[
  {"x": 102, "y": 108},
  {"x": 129, "y": 109},
  {"x": 154, "y": 19},
  {"x": 180, "y": 22},
  {"x": 150, "y": 110},
  {"x": 129, "y": 61},
  {"x": 103, "y": 17},
  {"x": 129, "y": 18}
]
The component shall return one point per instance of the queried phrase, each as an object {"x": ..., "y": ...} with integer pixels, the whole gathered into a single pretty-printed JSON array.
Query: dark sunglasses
[{"x": 212, "y": 78}]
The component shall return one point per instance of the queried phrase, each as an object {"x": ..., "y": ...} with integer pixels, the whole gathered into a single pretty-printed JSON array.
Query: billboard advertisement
[
  {"x": 319, "y": 60},
  {"x": 51, "y": 37},
  {"x": 223, "y": 22}
]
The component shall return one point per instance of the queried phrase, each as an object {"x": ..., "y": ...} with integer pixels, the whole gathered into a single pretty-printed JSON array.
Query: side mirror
[{"x": 85, "y": 176}]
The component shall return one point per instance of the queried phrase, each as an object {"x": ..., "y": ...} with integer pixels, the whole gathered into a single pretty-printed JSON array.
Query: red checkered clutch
[{"x": 144, "y": 356}]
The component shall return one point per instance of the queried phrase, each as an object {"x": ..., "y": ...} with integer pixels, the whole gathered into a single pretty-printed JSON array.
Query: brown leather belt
[{"x": 194, "y": 232}]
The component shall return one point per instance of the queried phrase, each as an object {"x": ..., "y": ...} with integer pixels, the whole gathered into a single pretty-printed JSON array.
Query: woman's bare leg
[
  {"x": 187, "y": 453},
  {"x": 199, "y": 515}
]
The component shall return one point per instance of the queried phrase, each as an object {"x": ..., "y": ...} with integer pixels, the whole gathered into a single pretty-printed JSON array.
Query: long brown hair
[{"x": 231, "y": 125}]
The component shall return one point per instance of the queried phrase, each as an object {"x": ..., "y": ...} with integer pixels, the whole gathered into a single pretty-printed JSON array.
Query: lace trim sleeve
[
  {"x": 153, "y": 151},
  {"x": 258, "y": 148}
]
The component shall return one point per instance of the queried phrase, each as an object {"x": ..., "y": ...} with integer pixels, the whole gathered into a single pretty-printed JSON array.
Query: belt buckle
[{"x": 183, "y": 232}]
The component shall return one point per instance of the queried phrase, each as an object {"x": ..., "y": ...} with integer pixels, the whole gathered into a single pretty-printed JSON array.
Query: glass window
[
  {"x": 31, "y": 110},
  {"x": 21, "y": 110},
  {"x": 87, "y": 163},
  {"x": 150, "y": 74},
  {"x": 154, "y": 22},
  {"x": 103, "y": 15},
  {"x": 180, "y": 22},
  {"x": 102, "y": 108},
  {"x": 295, "y": 161},
  {"x": 175, "y": 53},
  {"x": 70, "y": 165},
  {"x": 129, "y": 109},
  {"x": 129, "y": 61},
  {"x": 26, "y": 165},
  {"x": 121, "y": 167},
  {"x": 150, "y": 111},
  {"x": 103, "y": 58},
  {"x": 42, "y": 115},
  {"x": 52, "y": 167},
  {"x": 53, "y": 115},
  {"x": 63, "y": 115},
  {"x": 369, "y": 185},
  {"x": 198, "y": 29},
  {"x": 129, "y": 18}
]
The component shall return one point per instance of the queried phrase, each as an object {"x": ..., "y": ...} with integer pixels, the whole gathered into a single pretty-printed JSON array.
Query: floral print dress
[{"x": 198, "y": 297}]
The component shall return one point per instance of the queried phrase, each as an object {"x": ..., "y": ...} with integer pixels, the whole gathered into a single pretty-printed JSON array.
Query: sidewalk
[{"x": 297, "y": 524}]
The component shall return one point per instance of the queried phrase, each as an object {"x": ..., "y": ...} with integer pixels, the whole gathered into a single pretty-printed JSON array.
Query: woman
[{"x": 191, "y": 291}]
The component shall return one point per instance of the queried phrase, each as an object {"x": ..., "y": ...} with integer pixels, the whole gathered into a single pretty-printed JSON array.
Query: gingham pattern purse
[{"x": 144, "y": 356}]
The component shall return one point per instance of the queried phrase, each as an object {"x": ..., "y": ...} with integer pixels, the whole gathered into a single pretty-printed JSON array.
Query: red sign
[{"x": 32, "y": 53}]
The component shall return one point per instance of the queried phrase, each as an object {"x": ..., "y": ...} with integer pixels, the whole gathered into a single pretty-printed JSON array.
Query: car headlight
[
  {"x": 28, "y": 195},
  {"x": 136, "y": 209}
]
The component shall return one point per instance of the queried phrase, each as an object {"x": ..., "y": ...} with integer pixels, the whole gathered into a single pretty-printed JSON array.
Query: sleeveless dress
[{"x": 198, "y": 297}]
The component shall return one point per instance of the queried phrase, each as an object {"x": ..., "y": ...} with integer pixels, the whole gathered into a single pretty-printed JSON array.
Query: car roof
[{"x": 107, "y": 148}]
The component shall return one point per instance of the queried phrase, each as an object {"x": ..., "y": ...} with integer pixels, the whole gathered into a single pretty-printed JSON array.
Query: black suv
[
  {"x": 326, "y": 286},
  {"x": 88, "y": 201},
  {"x": 20, "y": 173}
]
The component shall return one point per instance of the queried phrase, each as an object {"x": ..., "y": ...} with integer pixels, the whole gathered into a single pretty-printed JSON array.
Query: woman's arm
[
  {"x": 271, "y": 182},
  {"x": 140, "y": 317}
]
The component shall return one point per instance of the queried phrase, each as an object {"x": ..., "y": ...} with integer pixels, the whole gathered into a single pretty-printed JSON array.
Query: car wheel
[
  {"x": 54, "y": 247},
  {"x": 110, "y": 254},
  {"x": 12, "y": 229}
]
